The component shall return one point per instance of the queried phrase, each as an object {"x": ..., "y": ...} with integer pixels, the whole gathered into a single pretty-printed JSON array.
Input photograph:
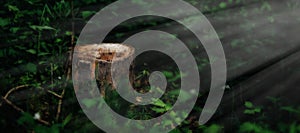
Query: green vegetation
[{"x": 37, "y": 37}]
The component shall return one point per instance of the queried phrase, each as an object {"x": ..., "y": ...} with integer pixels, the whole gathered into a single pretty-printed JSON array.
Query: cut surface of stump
[{"x": 99, "y": 58}]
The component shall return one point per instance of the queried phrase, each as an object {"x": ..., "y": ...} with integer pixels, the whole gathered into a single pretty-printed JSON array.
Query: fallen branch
[
  {"x": 12, "y": 105},
  {"x": 55, "y": 94},
  {"x": 21, "y": 110},
  {"x": 12, "y": 90}
]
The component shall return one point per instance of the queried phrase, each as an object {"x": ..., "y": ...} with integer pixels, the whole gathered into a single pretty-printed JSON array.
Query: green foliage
[
  {"x": 223, "y": 5},
  {"x": 161, "y": 107},
  {"x": 41, "y": 28},
  {"x": 86, "y": 14},
  {"x": 251, "y": 109},
  {"x": 27, "y": 120},
  {"x": 67, "y": 120},
  {"x": 213, "y": 129},
  {"x": 290, "y": 109},
  {"x": 248, "y": 127},
  {"x": 27, "y": 25},
  {"x": 4, "y": 22},
  {"x": 30, "y": 67}
]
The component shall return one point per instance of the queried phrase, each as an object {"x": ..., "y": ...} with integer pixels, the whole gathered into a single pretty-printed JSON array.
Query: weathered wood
[{"x": 100, "y": 57}]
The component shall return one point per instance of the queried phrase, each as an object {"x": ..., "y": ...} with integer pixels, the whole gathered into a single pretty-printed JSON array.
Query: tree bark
[{"x": 96, "y": 61}]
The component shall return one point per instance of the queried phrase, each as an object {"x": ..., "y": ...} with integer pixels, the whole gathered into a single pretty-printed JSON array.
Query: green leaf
[
  {"x": 68, "y": 33},
  {"x": 13, "y": 8},
  {"x": 250, "y": 127},
  {"x": 222, "y": 5},
  {"x": 145, "y": 72},
  {"x": 67, "y": 120},
  {"x": 290, "y": 109},
  {"x": 32, "y": 51},
  {"x": 248, "y": 104},
  {"x": 273, "y": 99},
  {"x": 86, "y": 14},
  {"x": 213, "y": 129},
  {"x": 30, "y": 67},
  {"x": 176, "y": 77},
  {"x": 119, "y": 35},
  {"x": 174, "y": 92},
  {"x": 42, "y": 62},
  {"x": 158, "y": 102},
  {"x": 33, "y": 1},
  {"x": 41, "y": 129},
  {"x": 293, "y": 128},
  {"x": 158, "y": 110},
  {"x": 14, "y": 29},
  {"x": 26, "y": 118},
  {"x": 40, "y": 28},
  {"x": 168, "y": 74},
  {"x": 54, "y": 128},
  {"x": 43, "y": 54},
  {"x": 257, "y": 110},
  {"x": 4, "y": 22},
  {"x": 168, "y": 107},
  {"x": 249, "y": 111}
]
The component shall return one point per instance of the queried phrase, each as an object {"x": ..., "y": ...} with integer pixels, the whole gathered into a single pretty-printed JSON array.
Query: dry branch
[{"x": 21, "y": 110}]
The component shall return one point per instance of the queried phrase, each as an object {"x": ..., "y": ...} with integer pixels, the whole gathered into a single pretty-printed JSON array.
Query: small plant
[
  {"x": 249, "y": 127},
  {"x": 251, "y": 109},
  {"x": 29, "y": 121}
]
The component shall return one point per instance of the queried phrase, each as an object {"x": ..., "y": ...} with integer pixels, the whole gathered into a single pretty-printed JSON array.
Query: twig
[
  {"x": 11, "y": 104},
  {"x": 68, "y": 64},
  {"x": 15, "y": 106},
  {"x": 59, "y": 105},
  {"x": 51, "y": 92},
  {"x": 43, "y": 121},
  {"x": 55, "y": 94},
  {"x": 63, "y": 91},
  {"x": 21, "y": 110},
  {"x": 12, "y": 90},
  {"x": 23, "y": 86}
]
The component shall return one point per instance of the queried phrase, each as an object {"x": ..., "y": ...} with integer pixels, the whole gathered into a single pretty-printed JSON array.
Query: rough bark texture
[{"x": 97, "y": 59}]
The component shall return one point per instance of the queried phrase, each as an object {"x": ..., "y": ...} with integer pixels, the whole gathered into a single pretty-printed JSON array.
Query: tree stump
[{"x": 97, "y": 60}]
